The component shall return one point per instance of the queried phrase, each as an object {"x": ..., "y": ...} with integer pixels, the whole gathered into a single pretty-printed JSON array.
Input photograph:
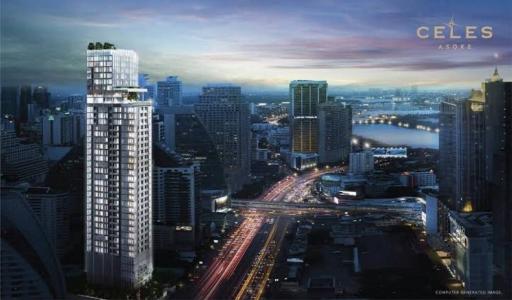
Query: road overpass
[{"x": 410, "y": 205}]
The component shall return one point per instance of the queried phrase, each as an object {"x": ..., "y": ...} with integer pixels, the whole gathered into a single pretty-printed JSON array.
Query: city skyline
[
  {"x": 351, "y": 45},
  {"x": 235, "y": 149}
]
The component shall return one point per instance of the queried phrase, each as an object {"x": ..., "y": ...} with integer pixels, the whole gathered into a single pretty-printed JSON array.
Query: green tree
[{"x": 132, "y": 96}]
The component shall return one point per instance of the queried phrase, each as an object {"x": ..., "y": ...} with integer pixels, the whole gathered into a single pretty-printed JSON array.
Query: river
[{"x": 398, "y": 136}]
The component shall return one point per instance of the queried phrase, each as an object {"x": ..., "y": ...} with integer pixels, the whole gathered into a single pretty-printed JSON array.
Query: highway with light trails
[{"x": 244, "y": 263}]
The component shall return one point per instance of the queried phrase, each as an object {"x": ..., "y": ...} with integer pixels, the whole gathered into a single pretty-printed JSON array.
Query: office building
[
  {"x": 169, "y": 92},
  {"x": 33, "y": 113},
  {"x": 424, "y": 178},
  {"x": 62, "y": 128},
  {"x": 429, "y": 212},
  {"x": 118, "y": 171},
  {"x": 176, "y": 201},
  {"x": 480, "y": 131},
  {"x": 144, "y": 82},
  {"x": 226, "y": 118},
  {"x": 150, "y": 95},
  {"x": 335, "y": 132},
  {"x": 469, "y": 155},
  {"x": 30, "y": 268},
  {"x": 279, "y": 137},
  {"x": 300, "y": 161},
  {"x": 169, "y": 116},
  {"x": 262, "y": 154},
  {"x": 24, "y": 100},
  {"x": 10, "y": 101},
  {"x": 259, "y": 145},
  {"x": 78, "y": 118},
  {"x": 183, "y": 133},
  {"x": 418, "y": 179},
  {"x": 472, "y": 249},
  {"x": 158, "y": 130},
  {"x": 73, "y": 103},
  {"x": 330, "y": 184},
  {"x": 22, "y": 161},
  {"x": 305, "y": 97},
  {"x": 41, "y": 97},
  {"x": 52, "y": 210},
  {"x": 361, "y": 162},
  {"x": 447, "y": 152},
  {"x": 498, "y": 162}
]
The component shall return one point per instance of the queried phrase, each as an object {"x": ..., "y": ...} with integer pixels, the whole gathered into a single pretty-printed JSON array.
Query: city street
[
  {"x": 293, "y": 187},
  {"x": 255, "y": 282},
  {"x": 233, "y": 262},
  {"x": 225, "y": 263}
]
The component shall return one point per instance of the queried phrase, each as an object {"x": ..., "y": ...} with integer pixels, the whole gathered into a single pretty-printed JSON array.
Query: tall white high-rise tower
[{"x": 118, "y": 237}]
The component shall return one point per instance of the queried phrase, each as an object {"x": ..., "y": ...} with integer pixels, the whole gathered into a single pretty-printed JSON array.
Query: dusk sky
[{"x": 257, "y": 44}]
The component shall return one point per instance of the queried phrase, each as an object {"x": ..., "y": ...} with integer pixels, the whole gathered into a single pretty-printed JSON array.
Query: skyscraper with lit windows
[
  {"x": 470, "y": 190},
  {"x": 447, "y": 151},
  {"x": 334, "y": 132},
  {"x": 225, "y": 117},
  {"x": 118, "y": 237},
  {"x": 305, "y": 97},
  {"x": 498, "y": 174}
]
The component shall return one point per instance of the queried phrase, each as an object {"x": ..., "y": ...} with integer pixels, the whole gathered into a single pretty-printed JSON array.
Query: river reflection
[{"x": 398, "y": 136}]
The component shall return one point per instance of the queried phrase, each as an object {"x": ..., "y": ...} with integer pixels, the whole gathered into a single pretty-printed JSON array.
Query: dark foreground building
[
  {"x": 30, "y": 268},
  {"x": 498, "y": 144}
]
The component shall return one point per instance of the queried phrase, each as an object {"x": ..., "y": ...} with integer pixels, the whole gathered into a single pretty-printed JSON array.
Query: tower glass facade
[
  {"x": 335, "y": 132},
  {"x": 470, "y": 159},
  {"x": 305, "y": 97},
  {"x": 447, "y": 121},
  {"x": 226, "y": 118},
  {"x": 498, "y": 161}
]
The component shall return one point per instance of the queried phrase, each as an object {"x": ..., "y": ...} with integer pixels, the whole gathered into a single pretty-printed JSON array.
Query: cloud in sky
[{"x": 258, "y": 44}]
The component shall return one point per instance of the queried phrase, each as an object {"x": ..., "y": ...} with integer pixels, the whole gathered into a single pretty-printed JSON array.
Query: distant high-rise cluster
[
  {"x": 24, "y": 103},
  {"x": 118, "y": 241},
  {"x": 475, "y": 173},
  {"x": 144, "y": 177},
  {"x": 62, "y": 129},
  {"x": 321, "y": 128}
]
